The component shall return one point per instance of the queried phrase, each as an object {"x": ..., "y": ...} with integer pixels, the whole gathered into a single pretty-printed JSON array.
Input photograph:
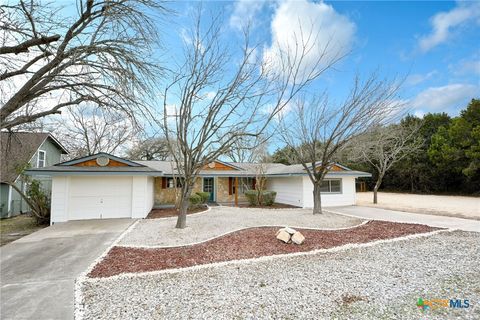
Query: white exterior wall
[
  {"x": 345, "y": 198},
  {"x": 142, "y": 196},
  {"x": 60, "y": 189},
  {"x": 289, "y": 189},
  {"x": 135, "y": 192}
]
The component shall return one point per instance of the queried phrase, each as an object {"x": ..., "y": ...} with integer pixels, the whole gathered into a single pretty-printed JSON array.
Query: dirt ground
[
  {"x": 14, "y": 228},
  {"x": 453, "y": 206}
]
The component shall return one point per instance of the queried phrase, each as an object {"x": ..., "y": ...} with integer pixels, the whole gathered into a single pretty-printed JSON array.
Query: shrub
[
  {"x": 41, "y": 202},
  {"x": 204, "y": 196},
  {"x": 194, "y": 200},
  {"x": 252, "y": 197},
  {"x": 268, "y": 197}
]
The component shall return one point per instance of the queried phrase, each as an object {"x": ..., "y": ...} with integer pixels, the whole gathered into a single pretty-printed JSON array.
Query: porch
[{"x": 223, "y": 190}]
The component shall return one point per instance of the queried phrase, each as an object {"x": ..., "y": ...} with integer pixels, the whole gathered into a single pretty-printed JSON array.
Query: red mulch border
[
  {"x": 273, "y": 206},
  {"x": 244, "y": 244}
]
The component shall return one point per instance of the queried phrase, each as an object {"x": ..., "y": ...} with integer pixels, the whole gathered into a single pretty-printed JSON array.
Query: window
[
  {"x": 245, "y": 184},
  {"x": 331, "y": 186},
  {"x": 42, "y": 155},
  {"x": 171, "y": 183}
]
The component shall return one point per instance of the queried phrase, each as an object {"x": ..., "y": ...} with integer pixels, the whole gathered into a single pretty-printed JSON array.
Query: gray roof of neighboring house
[{"x": 17, "y": 149}]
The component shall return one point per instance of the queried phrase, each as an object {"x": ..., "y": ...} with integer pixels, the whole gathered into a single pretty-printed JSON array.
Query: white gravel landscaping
[
  {"x": 386, "y": 279},
  {"x": 221, "y": 220}
]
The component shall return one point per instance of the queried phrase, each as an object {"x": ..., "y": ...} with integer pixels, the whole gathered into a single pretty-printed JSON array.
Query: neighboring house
[
  {"x": 104, "y": 186},
  {"x": 23, "y": 150}
]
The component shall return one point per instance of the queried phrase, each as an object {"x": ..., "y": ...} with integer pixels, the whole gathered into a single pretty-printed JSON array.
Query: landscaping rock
[
  {"x": 289, "y": 230},
  {"x": 283, "y": 235},
  {"x": 298, "y": 238}
]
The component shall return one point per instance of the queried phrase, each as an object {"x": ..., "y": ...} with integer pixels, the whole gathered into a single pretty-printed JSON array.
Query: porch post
[{"x": 236, "y": 191}]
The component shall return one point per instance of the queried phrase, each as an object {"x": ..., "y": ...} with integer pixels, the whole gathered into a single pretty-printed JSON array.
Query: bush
[
  {"x": 268, "y": 197},
  {"x": 252, "y": 197},
  {"x": 204, "y": 196},
  {"x": 194, "y": 200},
  {"x": 40, "y": 201}
]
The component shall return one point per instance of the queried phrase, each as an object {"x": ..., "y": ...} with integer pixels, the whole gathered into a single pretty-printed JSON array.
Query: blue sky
[{"x": 433, "y": 45}]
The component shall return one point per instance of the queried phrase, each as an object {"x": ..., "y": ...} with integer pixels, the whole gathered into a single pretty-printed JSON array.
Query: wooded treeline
[{"x": 447, "y": 162}]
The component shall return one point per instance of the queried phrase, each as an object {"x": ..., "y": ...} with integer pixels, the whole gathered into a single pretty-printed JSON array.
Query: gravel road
[{"x": 383, "y": 281}]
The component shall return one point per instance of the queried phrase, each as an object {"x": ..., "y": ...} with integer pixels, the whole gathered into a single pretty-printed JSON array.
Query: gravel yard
[
  {"x": 382, "y": 281},
  {"x": 453, "y": 206},
  {"x": 220, "y": 220},
  {"x": 245, "y": 244}
]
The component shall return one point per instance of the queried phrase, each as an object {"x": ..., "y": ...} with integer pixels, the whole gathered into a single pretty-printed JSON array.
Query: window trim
[
  {"x": 44, "y": 158},
  {"x": 330, "y": 186}
]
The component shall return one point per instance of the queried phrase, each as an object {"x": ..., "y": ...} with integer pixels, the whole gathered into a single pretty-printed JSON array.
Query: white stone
[
  {"x": 290, "y": 230},
  {"x": 284, "y": 236},
  {"x": 298, "y": 238}
]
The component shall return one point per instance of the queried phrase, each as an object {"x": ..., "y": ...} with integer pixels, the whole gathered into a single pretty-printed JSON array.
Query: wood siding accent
[
  {"x": 336, "y": 168},
  {"x": 219, "y": 167},
  {"x": 93, "y": 163}
]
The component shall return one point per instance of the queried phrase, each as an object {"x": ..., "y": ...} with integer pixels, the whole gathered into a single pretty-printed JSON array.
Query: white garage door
[{"x": 99, "y": 197}]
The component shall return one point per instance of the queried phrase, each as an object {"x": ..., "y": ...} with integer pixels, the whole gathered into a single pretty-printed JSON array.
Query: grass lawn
[{"x": 14, "y": 228}]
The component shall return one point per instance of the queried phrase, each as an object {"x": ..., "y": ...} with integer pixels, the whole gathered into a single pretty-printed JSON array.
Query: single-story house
[
  {"x": 105, "y": 186},
  {"x": 21, "y": 150}
]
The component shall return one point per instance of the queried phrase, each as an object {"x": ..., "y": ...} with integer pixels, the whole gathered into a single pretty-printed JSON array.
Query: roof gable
[
  {"x": 101, "y": 159},
  {"x": 17, "y": 150},
  {"x": 218, "y": 165}
]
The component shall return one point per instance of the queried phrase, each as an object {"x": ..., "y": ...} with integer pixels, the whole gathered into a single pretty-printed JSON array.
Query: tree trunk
[
  {"x": 31, "y": 204},
  {"x": 375, "y": 189},
  {"x": 317, "y": 199},
  {"x": 184, "y": 202}
]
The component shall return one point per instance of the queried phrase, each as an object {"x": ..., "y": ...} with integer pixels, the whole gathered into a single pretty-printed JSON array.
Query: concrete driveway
[
  {"x": 407, "y": 217},
  {"x": 39, "y": 270}
]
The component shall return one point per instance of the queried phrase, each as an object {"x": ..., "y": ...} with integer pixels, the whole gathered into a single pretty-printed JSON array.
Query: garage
[
  {"x": 100, "y": 197},
  {"x": 100, "y": 186}
]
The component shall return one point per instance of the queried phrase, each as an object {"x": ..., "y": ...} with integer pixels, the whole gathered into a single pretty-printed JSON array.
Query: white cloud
[
  {"x": 467, "y": 66},
  {"x": 418, "y": 78},
  {"x": 318, "y": 24},
  {"x": 244, "y": 12},
  {"x": 444, "y": 23},
  {"x": 438, "y": 99},
  {"x": 419, "y": 113}
]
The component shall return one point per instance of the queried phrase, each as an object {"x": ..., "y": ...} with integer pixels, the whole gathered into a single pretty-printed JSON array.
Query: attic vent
[
  {"x": 211, "y": 165},
  {"x": 103, "y": 161}
]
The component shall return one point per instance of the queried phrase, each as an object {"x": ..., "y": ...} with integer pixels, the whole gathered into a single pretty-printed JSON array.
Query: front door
[{"x": 209, "y": 186}]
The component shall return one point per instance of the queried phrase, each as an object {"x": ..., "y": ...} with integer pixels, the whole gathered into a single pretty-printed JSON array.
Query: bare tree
[
  {"x": 49, "y": 61},
  {"x": 87, "y": 130},
  {"x": 152, "y": 148},
  {"x": 382, "y": 147},
  {"x": 205, "y": 126},
  {"x": 248, "y": 149},
  {"x": 317, "y": 129}
]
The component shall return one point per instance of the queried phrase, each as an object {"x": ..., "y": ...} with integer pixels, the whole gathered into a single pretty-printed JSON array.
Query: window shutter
[
  {"x": 230, "y": 186},
  {"x": 164, "y": 182},
  {"x": 254, "y": 183}
]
